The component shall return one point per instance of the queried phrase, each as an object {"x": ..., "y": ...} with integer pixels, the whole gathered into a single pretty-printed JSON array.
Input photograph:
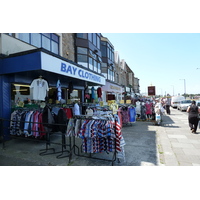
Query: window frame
[{"x": 52, "y": 37}]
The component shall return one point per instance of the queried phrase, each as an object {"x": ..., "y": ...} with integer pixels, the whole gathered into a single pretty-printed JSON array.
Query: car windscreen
[{"x": 186, "y": 101}]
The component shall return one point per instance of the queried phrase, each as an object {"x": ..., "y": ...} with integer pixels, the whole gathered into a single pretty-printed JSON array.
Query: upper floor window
[
  {"x": 82, "y": 35},
  {"x": 49, "y": 41},
  {"x": 94, "y": 38},
  {"x": 88, "y": 59},
  {"x": 107, "y": 50}
]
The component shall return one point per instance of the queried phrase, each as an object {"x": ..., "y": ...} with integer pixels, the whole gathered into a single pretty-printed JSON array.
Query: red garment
[
  {"x": 99, "y": 92},
  {"x": 35, "y": 126},
  {"x": 40, "y": 126},
  {"x": 148, "y": 108},
  {"x": 120, "y": 116},
  {"x": 68, "y": 112}
]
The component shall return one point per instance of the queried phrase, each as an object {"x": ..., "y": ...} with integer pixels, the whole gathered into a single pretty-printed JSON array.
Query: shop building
[
  {"x": 136, "y": 85},
  {"x": 26, "y": 57},
  {"x": 113, "y": 89},
  {"x": 77, "y": 60}
]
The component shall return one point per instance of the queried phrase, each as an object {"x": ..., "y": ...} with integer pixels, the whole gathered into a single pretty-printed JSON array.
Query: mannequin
[{"x": 138, "y": 109}]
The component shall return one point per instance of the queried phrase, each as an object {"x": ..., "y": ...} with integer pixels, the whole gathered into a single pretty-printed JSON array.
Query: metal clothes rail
[{"x": 67, "y": 148}]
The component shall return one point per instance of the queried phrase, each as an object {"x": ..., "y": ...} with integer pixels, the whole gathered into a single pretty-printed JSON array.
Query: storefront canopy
[{"x": 39, "y": 60}]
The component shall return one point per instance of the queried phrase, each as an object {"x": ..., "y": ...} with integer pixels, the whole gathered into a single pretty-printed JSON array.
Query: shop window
[
  {"x": 75, "y": 96},
  {"x": 52, "y": 95},
  {"x": 20, "y": 93}
]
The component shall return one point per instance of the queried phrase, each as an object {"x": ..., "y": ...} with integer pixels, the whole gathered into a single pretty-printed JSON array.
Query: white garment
[
  {"x": 138, "y": 108},
  {"x": 76, "y": 109},
  {"x": 40, "y": 88},
  {"x": 89, "y": 112}
]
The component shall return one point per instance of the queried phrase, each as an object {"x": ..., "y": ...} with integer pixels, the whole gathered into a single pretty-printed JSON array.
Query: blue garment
[
  {"x": 59, "y": 90},
  {"x": 93, "y": 95},
  {"x": 132, "y": 114}
]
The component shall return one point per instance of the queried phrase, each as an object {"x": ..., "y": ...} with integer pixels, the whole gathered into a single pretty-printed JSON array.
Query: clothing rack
[
  {"x": 48, "y": 132},
  {"x": 74, "y": 146},
  {"x": 67, "y": 149}
]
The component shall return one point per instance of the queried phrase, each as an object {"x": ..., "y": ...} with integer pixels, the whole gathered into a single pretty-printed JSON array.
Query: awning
[{"x": 43, "y": 61}]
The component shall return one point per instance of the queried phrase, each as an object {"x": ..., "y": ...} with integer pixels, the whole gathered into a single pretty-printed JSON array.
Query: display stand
[
  {"x": 82, "y": 154},
  {"x": 47, "y": 140}
]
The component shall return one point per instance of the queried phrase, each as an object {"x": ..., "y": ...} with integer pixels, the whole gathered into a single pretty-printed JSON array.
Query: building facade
[
  {"x": 79, "y": 61},
  {"x": 25, "y": 57}
]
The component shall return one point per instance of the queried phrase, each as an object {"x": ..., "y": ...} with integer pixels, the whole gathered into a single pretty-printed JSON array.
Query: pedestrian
[
  {"x": 167, "y": 106},
  {"x": 193, "y": 116}
]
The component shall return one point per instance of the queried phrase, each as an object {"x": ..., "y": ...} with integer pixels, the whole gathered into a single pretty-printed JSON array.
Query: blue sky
[{"x": 161, "y": 59}]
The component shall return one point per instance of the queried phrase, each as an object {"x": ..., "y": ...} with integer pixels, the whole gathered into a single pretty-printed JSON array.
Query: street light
[{"x": 184, "y": 88}]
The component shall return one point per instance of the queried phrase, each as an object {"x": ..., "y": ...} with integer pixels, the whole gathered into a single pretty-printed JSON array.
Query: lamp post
[{"x": 184, "y": 87}]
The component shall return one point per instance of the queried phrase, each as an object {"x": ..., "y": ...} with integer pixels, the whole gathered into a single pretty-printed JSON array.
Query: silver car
[{"x": 183, "y": 105}]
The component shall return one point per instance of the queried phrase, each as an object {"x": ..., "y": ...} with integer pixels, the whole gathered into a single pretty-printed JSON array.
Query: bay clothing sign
[{"x": 53, "y": 64}]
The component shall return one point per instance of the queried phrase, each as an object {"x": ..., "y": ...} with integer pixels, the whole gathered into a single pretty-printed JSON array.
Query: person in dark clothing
[{"x": 193, "y": 118}]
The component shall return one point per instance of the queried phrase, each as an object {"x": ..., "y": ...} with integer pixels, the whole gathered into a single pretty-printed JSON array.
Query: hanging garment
[
  {"x": 100, "y": 135},
  {"x": 59, "y": 90},
  {"x": 35, "y": 127},
  {"x": 93, "y": 95},
  {"x": 148, "y": 107},
  {"x": 138, "y": 108},
  {"x": 99, "y": 92},
  {"x": 120, "y": 116},
  {"x": 114, "y": 108},
  {"x": 125, "y": 115},
  {"x": 62, "y": 119},
  {"x": 47, "y": 117},
  {"x": 132, "y": 114},
  {"x": 143, "y": 112},
  {"x": 40, "y": 88},
  {"x": 68, "y": 112},
  {"x": 76, "y": 109}
]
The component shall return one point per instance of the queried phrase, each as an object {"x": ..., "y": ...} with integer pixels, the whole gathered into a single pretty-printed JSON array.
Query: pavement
[
  {"x": 177, "y": 146},
  {"x": 147, "y": 144}
]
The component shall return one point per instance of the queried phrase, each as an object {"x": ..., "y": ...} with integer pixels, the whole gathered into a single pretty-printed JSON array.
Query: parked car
[
  {"x": 175, "y": 100},
  {"x": 198, "y": 103},
  {"x": 183, "y": 105}
]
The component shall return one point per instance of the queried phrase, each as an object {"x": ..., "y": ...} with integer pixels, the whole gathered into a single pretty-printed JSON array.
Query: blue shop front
[{"x": 64, "y": 77}]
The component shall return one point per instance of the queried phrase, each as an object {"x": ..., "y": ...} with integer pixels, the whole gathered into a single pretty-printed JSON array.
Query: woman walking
[{"x": 193, "y": 118}]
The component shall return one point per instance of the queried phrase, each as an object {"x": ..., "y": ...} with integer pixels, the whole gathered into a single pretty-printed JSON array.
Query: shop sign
[
  {"x": 112, "y": 88},
  {"x": 56, "y": 65},
  {"x": 151, "y": 91}
]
